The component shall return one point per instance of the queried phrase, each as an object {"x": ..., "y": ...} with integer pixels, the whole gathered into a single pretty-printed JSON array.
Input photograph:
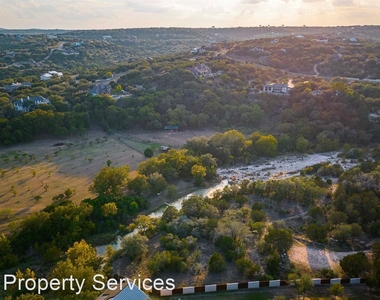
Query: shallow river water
[{"x": 275, "y": 168}]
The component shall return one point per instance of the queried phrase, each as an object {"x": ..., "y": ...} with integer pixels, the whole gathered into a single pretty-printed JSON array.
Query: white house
[
  {"x": 276, "y": 88},
  {"x": 50, "y": 74},
  {"x": 25, "y": 104}
]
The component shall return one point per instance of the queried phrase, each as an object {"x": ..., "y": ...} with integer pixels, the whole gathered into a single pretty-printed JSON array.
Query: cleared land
[{"x": 31, "y": 174}]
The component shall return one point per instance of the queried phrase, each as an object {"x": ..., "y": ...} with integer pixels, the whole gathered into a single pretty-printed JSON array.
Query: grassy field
[{"x": 31, "y": 174}]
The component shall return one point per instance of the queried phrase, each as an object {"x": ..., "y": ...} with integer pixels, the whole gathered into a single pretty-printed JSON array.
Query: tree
[
  {"x": 258, "y": 216},
  {"x": 145, "y": 224},
  {"x": 7, "y": 256},
  {"x": 336, "y": 289},
  {"x": 135, "y": 246},
  {"x": 247, "y": 267},
  {"x": 109, "y": 209},
  {"x": 316, "y": 232},
  {"x": 157, "y": 182},
  {"x": 139, "y": 184},
  {"x": 272, "y": 263},
  {"x": 216, "y": 263},
  {"x": 110, "y": 181},
  {"x": 148, "y": 152},
  {"x": 159, "y": 262},
  {"x": 355, "y": 265},
  {"x": 172, "y": 191},
  {"x": 170, "y": 214},
  {"x": 371, "y": 281},
  {"x": 108, "y": 74},
  {"x": 266, "y": 146},
  {"x": 199, "y": 173},
  {"x": 302, "y": 144},
  {"x": 82, "y": 263},
  {"x": 83, "y": 254},
  {"x": 279, "y": 239},
  {"x": 305, "y": 284}
]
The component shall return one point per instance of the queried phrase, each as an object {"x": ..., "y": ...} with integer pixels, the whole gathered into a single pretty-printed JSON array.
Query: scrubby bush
[
  {"x": 216, "y": 263},
  {"x": 148, "y": 152},
  {"x": 247, "y": 267}
]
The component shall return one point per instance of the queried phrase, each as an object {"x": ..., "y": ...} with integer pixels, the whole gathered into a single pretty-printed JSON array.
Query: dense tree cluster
[
  {"x": 232, "y": 146},
  {"x": 174, "y": 164},
  {"x": 25, "y": 128}
]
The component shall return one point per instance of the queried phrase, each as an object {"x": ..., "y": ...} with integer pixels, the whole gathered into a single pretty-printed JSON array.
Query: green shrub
[
  {"x": 216, "y": 263},
  {"x": 247, "y": 267},
  {"x": 148, "y": 152}
]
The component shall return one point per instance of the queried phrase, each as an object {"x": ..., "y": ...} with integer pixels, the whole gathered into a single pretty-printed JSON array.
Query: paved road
[{"x": 59, "y": 47}]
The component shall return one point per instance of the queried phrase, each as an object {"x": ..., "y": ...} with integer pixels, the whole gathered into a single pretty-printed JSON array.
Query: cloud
[
  {"x": 149, "y": 6},
  {"x": 342, "y": 2},
  {"x": 253, "y": 1},
  {"x": 309, "y": 1},
  {"x": 216, "y": 10}
]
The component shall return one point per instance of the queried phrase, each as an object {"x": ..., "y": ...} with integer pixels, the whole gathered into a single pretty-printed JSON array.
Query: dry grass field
[{"x": 31, "y": 174}]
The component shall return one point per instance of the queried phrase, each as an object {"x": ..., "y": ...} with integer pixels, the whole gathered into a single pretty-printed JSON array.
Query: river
[{"x": 265, "y": 169}]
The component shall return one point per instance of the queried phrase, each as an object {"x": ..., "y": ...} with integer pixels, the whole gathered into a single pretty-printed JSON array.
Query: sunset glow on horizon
[{"x": 103, "y": 14}]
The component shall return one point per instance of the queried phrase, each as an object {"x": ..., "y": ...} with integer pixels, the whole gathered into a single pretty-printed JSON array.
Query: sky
[{"x": 104, "y": 14}]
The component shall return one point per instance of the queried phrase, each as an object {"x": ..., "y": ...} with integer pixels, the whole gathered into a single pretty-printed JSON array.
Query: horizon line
[{"x": 210, "y": 27}]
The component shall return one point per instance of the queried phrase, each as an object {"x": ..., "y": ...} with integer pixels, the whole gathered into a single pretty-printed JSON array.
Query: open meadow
[{"x": 32, "y": 174}]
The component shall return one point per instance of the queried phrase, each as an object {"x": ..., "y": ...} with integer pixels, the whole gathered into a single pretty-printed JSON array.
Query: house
[
  {"x": 107, "y": 37},
  {"x": 335, "y": 56},
  {"x": 70, "y": 52},
  {"x": 17, "y": 85},
  {"x": 316, "y": 92},
  {"x": 321, "y": 40},
  {"x": 276, "y": 88},
  {"x": 100, "y": 89},
  {"x": 28, "y": 103},
  {"x": 133, "y": 293},
  {"x": 10, "y": 53},
  {"x": 50, "y": 74},
  {"x": 200, "y": 70}
]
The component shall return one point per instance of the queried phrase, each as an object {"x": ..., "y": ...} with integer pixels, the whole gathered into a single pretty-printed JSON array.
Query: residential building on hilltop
[
  {"x": 276, "y": 88},
  {"x": 100, "y": 89},
  {"x": 29, "y": 103},
  {"x": 17, "y": 85},
  {"x": 50, "y": 74}
]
